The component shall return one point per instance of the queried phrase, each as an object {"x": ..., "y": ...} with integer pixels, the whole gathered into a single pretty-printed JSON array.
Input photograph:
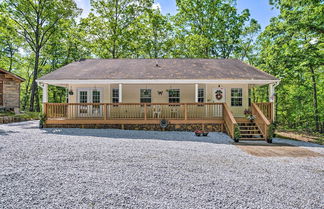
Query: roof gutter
[{"x": 157, "y": 81}]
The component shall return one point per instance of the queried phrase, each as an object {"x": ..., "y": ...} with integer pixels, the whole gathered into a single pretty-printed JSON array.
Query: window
[
  {"x": 236, "y": 97},
  {"x": 115, "y": 96},
  {"x": 95, "y": 99},
  {"x": 83, "y": 97},
  {"x": 201, "y": 95},
  {"x": 174, "y": 95},
  {"x": 95, "y": 96},
  {"x": 145, "y": 96}
]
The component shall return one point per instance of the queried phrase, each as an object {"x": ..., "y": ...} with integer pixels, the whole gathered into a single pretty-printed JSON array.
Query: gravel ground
[{"x": 89, "y": 168}]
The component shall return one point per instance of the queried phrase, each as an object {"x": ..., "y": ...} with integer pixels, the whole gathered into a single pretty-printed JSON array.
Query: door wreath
[{"x": 219, "y": 94}]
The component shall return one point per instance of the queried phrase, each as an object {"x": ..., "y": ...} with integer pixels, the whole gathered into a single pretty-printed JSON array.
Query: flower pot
[
  {"x": 198, "y": 133},
  {"x": 205, "y": 133}
]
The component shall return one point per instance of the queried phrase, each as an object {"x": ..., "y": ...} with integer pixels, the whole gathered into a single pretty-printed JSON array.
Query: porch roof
[{"x": 157, "y": 69}]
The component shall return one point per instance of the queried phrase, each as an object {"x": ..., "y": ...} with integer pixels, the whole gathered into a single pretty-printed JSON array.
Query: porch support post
[
  {"x": 271, "y": 92},
  {"x": 45, "y": 93},
  {"x": 196, "y": 92},
  {"x": 120, "y": 91},
  {"x": 45, "y": 96},
  {"x": 272, "y": 99}
]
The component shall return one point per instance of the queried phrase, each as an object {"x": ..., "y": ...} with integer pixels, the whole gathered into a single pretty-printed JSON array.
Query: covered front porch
[{"x": 205, "y": 103}]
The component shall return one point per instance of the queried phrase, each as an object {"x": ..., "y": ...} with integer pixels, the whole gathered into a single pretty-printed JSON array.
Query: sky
[{"x": 259, "y": 9}]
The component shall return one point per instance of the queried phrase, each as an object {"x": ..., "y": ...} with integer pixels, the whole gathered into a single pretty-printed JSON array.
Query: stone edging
[{"x": 12, "y": 119}]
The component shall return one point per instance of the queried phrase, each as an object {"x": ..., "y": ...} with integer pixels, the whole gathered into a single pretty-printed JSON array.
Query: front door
[
  {"x": 219, "y": 96},
  {"x": 91, "y": 96}
]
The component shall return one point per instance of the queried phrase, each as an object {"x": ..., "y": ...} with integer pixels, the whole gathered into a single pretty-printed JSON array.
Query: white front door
[
  {"x": 219, "y": 96},
  {"x": 89, "y": 95}
]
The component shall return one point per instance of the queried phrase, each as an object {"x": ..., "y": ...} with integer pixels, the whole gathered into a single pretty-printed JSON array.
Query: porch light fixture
[{"x": 71, "y": 92}]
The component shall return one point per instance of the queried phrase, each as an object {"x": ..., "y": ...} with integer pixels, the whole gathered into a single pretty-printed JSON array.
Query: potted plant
[
  {"x": 201, "y": 133},
  {"x": 42, "y": 120},
  {"x": 198, "y": 132},
  {"x": 248, "y": 114},
  {"x": 205, "y": 133}
]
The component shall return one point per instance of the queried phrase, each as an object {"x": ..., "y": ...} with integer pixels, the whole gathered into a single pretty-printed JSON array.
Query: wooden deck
[{"x": 152, "y": 113}]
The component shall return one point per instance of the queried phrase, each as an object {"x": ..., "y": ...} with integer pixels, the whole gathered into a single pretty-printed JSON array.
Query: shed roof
[
  {"x": 115, "y": 69},
  {"x": 3, "y": 71}
]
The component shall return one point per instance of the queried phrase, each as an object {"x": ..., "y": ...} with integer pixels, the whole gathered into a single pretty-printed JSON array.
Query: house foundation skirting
[{"x": 211, "y": 127}]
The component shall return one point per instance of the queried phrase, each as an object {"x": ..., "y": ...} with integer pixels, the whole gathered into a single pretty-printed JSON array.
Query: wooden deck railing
[
  {"x": 145, "y": 111},
  {"x": 230, "y": 121},
  {"x": 266, "y": 108},
  {"x": 261, "y": 120}
]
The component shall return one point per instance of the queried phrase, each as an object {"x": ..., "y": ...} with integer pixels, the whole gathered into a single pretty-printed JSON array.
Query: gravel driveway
[{"x": 89, "y": 168}]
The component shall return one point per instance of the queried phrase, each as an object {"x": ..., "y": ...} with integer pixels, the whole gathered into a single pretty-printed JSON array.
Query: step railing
[
  {"x": 261, "y": 120},
  {"x": 267, "y": 109},
  {"x": 229, "y": 120}
]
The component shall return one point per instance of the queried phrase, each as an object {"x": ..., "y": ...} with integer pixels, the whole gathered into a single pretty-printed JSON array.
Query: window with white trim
[
  {"x": 201, "y": 95},
  {"x": 95, "y": 96},
  {"x": 145, "y": 95},
  {"x": 174, "y": 95},
  {"x": 83, "y": 98},
  {"x": 115, "y": 96},
  {"x": 236, "y": 97}
]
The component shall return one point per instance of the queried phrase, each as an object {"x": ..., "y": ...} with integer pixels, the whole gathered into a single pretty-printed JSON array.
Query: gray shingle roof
[{"x": 218, "y": 69}]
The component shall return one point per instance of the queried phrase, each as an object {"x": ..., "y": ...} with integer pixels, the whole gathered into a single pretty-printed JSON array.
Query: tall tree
[
  {"x": 213, "y": 24},
  {"x": 38, "y": 20},
  {"x": 292, "y": 49},
  {"x": 153, "y": 35},
  {"x": 111, "y": 23},
  {"x": 247, "y": 43},
  {"x": 9, "y": 43}
]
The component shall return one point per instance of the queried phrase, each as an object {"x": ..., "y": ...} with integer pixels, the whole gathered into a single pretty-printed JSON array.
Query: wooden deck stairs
[{"x": 250, "y": 131}]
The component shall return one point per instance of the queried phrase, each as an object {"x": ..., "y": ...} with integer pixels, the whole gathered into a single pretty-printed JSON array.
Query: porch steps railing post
[{"x": 185, "y": 112}]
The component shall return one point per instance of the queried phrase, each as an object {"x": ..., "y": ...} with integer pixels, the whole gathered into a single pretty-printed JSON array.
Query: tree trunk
[
  {"x": 316, "y": 113},
  {"x": 34, "y": 84},
  {"x": 37, "y": 102},
  {"x": 11, "y": 60}
]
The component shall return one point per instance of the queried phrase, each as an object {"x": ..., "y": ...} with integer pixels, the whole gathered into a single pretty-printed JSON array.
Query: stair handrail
[
  {"x": 229, "y": 120},
  {"x": 261, "y": 120}
]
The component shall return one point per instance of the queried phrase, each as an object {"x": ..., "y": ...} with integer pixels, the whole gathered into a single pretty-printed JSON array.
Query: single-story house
[
  {"x": 9, "y": 90},
  {"x": 168, "y": 94}
]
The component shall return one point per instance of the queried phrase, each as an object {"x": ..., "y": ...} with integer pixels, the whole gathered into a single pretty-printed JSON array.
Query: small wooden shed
[{"x": 9, "y": 90}]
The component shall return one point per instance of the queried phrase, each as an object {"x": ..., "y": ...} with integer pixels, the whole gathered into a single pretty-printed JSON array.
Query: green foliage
[
  {"x": 209, "y": 28},
  {"x": 237, "y": 133},
  {"x": 42, "y": 120},
  {"x": 271, "y": 131},
  {"x": 291, "y": 48}
]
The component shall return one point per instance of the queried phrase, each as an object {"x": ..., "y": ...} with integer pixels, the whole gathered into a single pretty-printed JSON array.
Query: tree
[
  {"x": 37, "y": 21},
  {"x": 247, "y": 43},
  {"x": 109, "y": 29},
  {"x": 153, "y": 35},
  {"x": 213, "y": 23},
  {"x": 9, "y": 43},
  {"x": 292, "y": 49}
]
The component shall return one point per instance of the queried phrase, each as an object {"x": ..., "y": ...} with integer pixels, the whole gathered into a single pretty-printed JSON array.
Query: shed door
[{"x": 1, "y": 93}]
